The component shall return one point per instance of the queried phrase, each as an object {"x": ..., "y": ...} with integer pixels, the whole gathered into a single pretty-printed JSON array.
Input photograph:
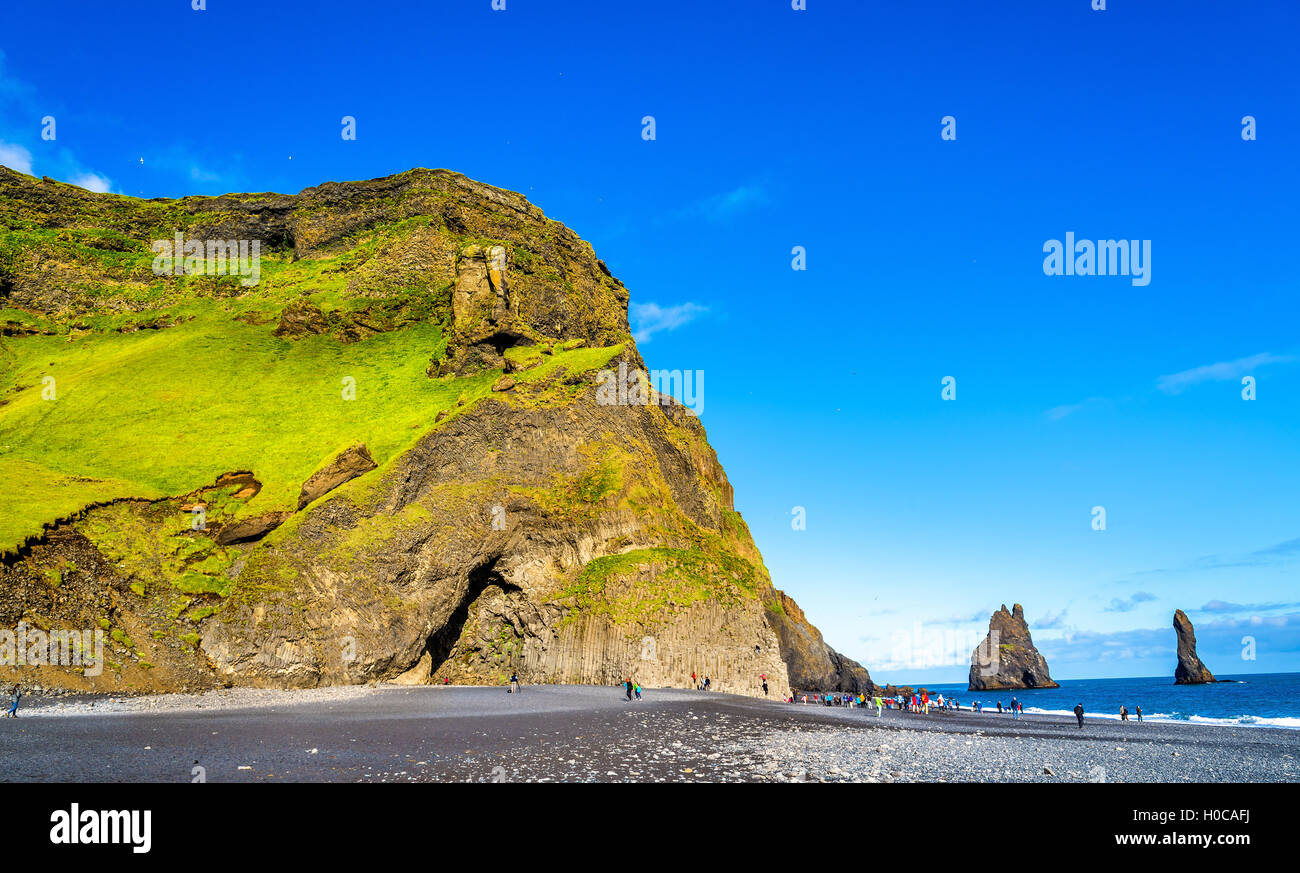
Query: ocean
[{"x": 1259, "y": 700}]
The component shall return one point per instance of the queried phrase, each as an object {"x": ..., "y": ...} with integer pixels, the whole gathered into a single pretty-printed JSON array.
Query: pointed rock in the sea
[
  {"x": 1190, "y": 670},
  {"x": 1007, "y": 657}
]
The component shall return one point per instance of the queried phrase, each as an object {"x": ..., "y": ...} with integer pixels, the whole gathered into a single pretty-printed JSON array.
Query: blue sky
[{"x": 821, "y": 128}]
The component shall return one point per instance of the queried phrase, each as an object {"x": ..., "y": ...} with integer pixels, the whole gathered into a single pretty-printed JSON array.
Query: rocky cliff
[
  {"x": 1007, "y": 658},
  {"x": 813, "y": 665},
  {"x": 1190, "y": 670},
  {"x": 379, "y": 452}
]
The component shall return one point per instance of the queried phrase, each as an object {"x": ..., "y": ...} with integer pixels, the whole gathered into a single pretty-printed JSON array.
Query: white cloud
[
  {"x": 650, "y": 318},
  {"x": 92, "y": 182},
  {"x": 1226, "y": 371},
  {"x": 15, "y": 157},
  {"x": 1139, "y": 597},
  {"x": 723, "y": 206}
]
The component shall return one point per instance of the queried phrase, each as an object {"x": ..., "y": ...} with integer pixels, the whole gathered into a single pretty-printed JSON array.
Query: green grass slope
[{"x": 162, "y": 412}]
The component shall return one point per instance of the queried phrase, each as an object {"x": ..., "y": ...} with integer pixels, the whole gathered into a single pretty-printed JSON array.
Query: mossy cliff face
[{"x": 384, "y": 461}]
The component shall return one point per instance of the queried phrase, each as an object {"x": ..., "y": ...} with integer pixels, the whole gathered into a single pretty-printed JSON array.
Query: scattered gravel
[{"x": 592, "y": 734}]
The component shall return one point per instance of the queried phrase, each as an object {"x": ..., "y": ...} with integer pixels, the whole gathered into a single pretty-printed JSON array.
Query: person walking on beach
[
  {"x": 627, "y": 686},
  {"x": 514, "y": 682},
  {"x": 1123, "y": 712},
  {"x": 1078, "y": 713},
  {"x": 765, "y": 687},
  {"x": 879, "y": 706},
  {"x": 1138, "y": 710},
  {"x": 17, "y": 696},
  {"x": 637, "y": 689},
  {"x": 707, "y": 683},
  {"x": 695, "y": 683},
  {"x": 1015, "y": 712}
]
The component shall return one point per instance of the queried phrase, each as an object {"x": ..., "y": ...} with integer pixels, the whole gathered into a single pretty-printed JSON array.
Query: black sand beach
[{"x": 592, "y": 734}]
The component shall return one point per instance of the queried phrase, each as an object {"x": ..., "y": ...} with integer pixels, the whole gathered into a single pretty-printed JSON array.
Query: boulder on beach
[
  {"x": 1007, "y": 658},
  {"x": 1190, "y": 670}
]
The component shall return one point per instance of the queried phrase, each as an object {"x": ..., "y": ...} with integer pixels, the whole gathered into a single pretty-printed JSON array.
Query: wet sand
[{"x": 582, "y": 734}]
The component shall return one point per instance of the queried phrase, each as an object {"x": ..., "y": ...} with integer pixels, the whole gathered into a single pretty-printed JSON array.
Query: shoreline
[
  {"x": 564, "y": 733},
  {"x": 238, "y": 698}
]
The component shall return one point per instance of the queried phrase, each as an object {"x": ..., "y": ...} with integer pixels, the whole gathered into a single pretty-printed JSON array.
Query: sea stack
[
  {"x": 1007, "y": 657},
  {"x": 1190, "y": 670}
]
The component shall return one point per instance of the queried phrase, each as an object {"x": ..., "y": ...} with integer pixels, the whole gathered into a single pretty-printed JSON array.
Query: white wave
[{"x": 1290, "y": 722}]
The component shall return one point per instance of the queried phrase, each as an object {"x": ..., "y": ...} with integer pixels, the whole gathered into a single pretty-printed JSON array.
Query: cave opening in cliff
[
  {"x": 444, "y": 639},
  {"x": 281, "y": 241},
  {"x": 505, "y": 339}
]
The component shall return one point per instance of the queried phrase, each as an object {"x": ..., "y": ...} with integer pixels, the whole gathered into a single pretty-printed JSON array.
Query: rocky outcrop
[
  {"x": 812, "y": 665},
  {"x": 539, "y": 279},
  {"x": 1007, "y": 658},
  {"x": 1190, "y": 670},
  {"x": 483, "y": 561},
  {"x": 248, "y": 530},
  {"x": 518, "y": 526},
  {"x": 349, "y": 464},
  {"x": 301, "y": 318}
]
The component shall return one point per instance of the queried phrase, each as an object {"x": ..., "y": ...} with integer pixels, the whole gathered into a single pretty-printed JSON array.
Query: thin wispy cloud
[
  {"x": 1224, "y": 607},
  {"x": 1056, "y": 413},
  {"x": 1052, "y": 621},
  {"x": 1289, "y": 547},
  {"x": 18, "y": 99},
  {"x": 15, "y": 157},
  {"x": 651, "y": 318},
  {"x": 727, "y": 205},
  {"x": 1279, "y": 553},
  {"x": 979, "y": 615},
  {"x": 1138, "y": 598},
  {"x": 731, "y": 203},
  {"x": 1216, "y": 640},
  {"x": 92, "y": 182},
  {"x": 1225, "y": 371}
]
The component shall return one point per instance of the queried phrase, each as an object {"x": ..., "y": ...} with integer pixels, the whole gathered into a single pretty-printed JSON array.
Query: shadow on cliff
[{"x": 444, "y": 640}]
